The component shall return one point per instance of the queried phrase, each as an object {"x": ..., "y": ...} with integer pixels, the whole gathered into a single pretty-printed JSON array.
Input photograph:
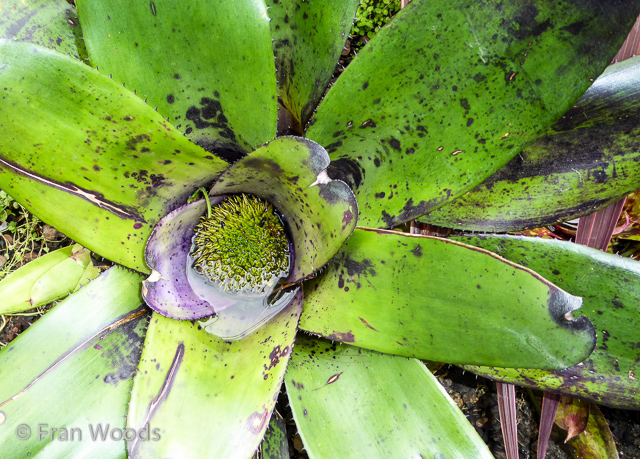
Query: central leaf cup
[{"x": 238, "y": 257}]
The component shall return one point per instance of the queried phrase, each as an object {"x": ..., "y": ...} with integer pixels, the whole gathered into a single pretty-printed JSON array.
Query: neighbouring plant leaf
[
  {"x": 208, "y": 66},
  {"x": 53, "y": 24},
  {"x": 609, "y": 286},
  {"x": 629, "y": 222},
  {"x": 73, "y": 371},
  {"x": 588, "y": 159},
  {"x": 320, "y": 214},
  {"x": 190, "y": 380},
  {"x": 275, "y": 444},
  {"x": 308, "y": 39},
  {"x": 549, "y": 410},
  {"x": 104, "y": 166},
  {"x": 420, "y": 118},
  {"x": 573, "y": 416},
  {"x": 596, "y": 441},
  {"x": 508, "y": 418},
  {"x": 595, "y": 230},
  {"x": 46, "y": 279},
  {"x": 350, "y": 402},
  {"x": 434, "y": 299}
]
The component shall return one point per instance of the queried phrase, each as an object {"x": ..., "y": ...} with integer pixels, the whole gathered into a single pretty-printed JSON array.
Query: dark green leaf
[
  {"x": 433, "y": 299},
  {"x": 350, "y": 402},
  {"x": 308, "y": 39},
  {"x": 610, "y": 287},
  {"x": 448, "y": 92},
  {"x": 589, "y": 159},
  {"x": 208, "y": 66},
  {"x": 75, "y": 143}
]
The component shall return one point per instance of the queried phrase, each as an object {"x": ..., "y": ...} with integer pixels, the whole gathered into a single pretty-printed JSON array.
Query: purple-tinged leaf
[
  {"x": 549, "y": 408},
  {"x": 573, "y": 415},
  {"x": 508, "y": 418}
]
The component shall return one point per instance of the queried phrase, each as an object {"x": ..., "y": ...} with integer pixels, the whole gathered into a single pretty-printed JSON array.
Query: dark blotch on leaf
[{"x": 347, "y": 170}]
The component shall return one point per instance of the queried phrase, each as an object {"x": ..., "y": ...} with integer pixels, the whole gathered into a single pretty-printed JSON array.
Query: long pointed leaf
[
  {"x": 205, "y": 397},
  {"x": 588, "y": 159},
  {"x": 448, "y": 92},
  {"x": 72, "y": 371},
  {"x": 100, "y": 165},
  {"x": 455, "y": 298},
  {"x": 350, "y": 402},
  {"x": 308, "y": 39}
]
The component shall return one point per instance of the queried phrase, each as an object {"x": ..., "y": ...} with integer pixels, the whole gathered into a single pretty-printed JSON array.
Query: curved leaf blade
[
  {"x": 320, "y": 213},
  {"x": 101, "y": 352},
  {"x": 53, "y": 24},
  {"x": 589, "y": 159},
  {"x": 350, "y": 402},
  {"x": 455, "y": 298},
  {"x": 208, "y": 66},
  {"x": 46, "y": 279},
  {"x": 130, "y": 167},
  {"x": 448, "y": 92},
  {"x": 609, "y": 286},
  {"x": 206, "y": 397},
  {"x": 308, "y": 39}
]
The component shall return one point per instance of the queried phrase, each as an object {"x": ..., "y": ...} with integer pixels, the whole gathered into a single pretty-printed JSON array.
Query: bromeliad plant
[{"x": 181, "y": 95}]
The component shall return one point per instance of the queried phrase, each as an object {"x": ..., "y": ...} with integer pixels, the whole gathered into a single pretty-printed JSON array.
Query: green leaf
[
  {"x": 448, "y": 92},
  {"x": 275, "y": 444},
  {"x": 46, "y": 279},
  {"x": 53, "y": 24},
  {"x": 320, "y": 214},
  {"x": 72, "y": 370},
  {"x": 610, "y": 287},
  {"x": 309, "y": 37},
  {"x": 99, "y": 164},
  {"x": 208, "y": 66},
  {"x": 205, "y": 397},
  {"x": 589, "y": 159},
  {"x": 349, "y": 402},
  {"x": 435, "y": 299}
]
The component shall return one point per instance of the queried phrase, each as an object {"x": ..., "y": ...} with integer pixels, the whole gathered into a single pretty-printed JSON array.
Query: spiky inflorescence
[{"x": 242, "y": 246}]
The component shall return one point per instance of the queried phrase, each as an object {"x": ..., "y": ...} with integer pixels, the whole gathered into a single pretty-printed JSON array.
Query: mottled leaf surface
[
  {"x": 350, "y": 402},
  {"x": 589, "y": 159},
  {"x": 207, "y": 66},
  {"x": 89, "y": 157},
  {"x": 319, "y": 217},
  {"x": 46, "y": 279},
  {"x": 208, "y": 397},
  {"x": 50, "y": 23},
  {"x": 448, "y": 92},
  {"x": 275, "y": 444},
  {"x": 609, "y": 286},
  {"x": 308, "y": 39},
  {"x": 72, "y": 369},
  {"x": 430, "y": 298}
]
